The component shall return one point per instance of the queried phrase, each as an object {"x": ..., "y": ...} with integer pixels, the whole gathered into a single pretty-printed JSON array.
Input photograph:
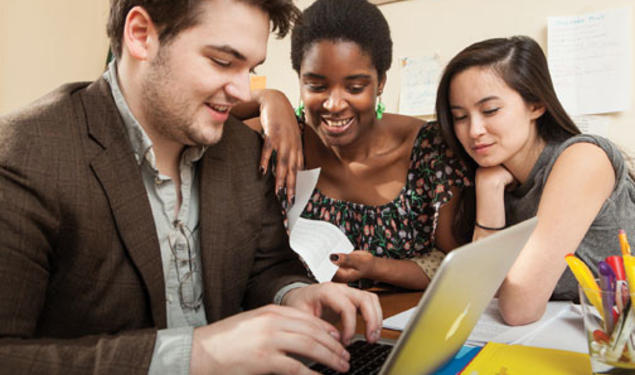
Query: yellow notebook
[{"x": 503, "y": 359}]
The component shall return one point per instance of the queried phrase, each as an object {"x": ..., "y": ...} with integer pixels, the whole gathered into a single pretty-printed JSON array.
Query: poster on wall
[
  {"x": 419, "y": 79},
  {"x": 590, "y": 59}
]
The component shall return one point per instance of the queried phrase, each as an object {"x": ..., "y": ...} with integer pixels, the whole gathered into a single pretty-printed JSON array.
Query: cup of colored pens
[
  {"x": 607, "y": 301},
  {"x": 610, "y": 335}
]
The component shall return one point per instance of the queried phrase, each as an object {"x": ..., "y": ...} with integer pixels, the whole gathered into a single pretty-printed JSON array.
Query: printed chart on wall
[
  {"x": 419, "y": 79},
  {"x": 590, "y": 59}
]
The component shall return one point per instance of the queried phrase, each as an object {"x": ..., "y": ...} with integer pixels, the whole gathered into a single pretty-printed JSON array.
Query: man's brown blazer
[{"x": 81, "y": 280}]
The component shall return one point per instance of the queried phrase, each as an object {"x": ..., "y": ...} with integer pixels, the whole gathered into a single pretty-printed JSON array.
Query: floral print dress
[{"x": 405, "y": 227}]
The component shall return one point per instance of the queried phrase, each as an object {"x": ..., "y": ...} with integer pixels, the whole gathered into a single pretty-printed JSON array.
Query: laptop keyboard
[{"x": 366, "y": 359}]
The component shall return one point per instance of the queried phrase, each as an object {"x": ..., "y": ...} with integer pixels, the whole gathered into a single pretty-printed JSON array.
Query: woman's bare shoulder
[{"x": 403, "y": 127}]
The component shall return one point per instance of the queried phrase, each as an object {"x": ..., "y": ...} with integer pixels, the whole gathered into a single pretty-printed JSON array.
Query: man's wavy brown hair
[{"x": 173, "y": 16}]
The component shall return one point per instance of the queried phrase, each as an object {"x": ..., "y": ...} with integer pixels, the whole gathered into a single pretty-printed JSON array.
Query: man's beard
[{"x": 165, "y": 109}]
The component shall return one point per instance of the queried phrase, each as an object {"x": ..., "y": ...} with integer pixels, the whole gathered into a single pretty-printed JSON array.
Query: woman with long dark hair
[{"x": 499, "y": 111}]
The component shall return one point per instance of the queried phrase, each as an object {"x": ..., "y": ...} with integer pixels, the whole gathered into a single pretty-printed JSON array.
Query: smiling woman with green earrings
[{"x": 387, "y": 181}]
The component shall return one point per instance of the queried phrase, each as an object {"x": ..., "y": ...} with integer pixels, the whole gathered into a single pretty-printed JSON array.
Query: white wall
[
  {"x": 444, "y": 27},
  {"x": 45, "y": 43}
]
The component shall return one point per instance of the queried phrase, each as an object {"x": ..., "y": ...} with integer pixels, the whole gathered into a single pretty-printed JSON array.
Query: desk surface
[{"x": 392, "y": 302}]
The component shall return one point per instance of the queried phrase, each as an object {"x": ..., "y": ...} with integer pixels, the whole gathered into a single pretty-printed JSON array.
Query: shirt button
[{"x": 169, "y": 297}]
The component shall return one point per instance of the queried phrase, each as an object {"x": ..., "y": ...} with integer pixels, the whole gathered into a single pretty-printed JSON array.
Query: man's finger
[
  {"x": 331, "y": 354},
  {"x": 294, "y": 314},
  {"x": 301, "y": 333},
  {"x": 282, "y": 364},
  {"x": 368, "y": 304},
  {"x": 340, "y": 302}
]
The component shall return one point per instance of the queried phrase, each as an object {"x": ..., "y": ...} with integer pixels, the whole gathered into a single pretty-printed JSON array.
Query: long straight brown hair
[{"x": 521, "y": 64}]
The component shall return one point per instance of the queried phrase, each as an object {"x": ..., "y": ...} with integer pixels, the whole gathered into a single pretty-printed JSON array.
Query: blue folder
[{"x": 460, "y": 360}]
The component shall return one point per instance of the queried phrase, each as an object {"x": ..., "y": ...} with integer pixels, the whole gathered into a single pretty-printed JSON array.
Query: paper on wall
[
  {"x": 314, "y": 240},
  {"x": 590, "y": 59},
  {"x": 419, "y": 79},
  {"x": 592, "y": 124}
]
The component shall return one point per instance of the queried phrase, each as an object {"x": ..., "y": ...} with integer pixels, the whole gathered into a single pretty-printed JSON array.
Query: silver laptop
[{"x": 458, "y": 294}]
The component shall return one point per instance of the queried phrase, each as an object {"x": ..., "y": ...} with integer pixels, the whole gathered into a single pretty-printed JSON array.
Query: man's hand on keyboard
[
  {"x": 343, "y": 300},
  {"x": 259, "y": 342}
]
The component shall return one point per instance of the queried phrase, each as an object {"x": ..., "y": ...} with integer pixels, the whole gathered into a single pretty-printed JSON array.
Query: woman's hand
[
  {"x": 357, "y": 265},
  {"x": 281, "y": 133},
  {"x": 497, "y": 177},
  {"x": 490, "y": 183},
  {"x": 361, "y": 264},
  {"x": 279, "y": 128}
]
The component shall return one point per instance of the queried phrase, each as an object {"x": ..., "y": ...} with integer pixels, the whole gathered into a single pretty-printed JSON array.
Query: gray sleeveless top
[{"x": 618, "y": 212}]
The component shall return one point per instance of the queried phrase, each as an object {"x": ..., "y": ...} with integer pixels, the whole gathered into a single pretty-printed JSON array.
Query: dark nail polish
[
  {"x": 280, "y": 194},
  {"x": 262, "y": 170},
  {"x": 334, "y": 257},
  {"x": 292, "y": 200}
]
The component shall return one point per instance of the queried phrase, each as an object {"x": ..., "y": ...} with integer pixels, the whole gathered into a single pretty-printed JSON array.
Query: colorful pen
[
  {"x": 629, "y": 269},
  {"x": 585, "y": 277},
  {"x": 607, "y": 284},
  {"x": 621, "y": 287},
  {"x": 626, "y": 248}
]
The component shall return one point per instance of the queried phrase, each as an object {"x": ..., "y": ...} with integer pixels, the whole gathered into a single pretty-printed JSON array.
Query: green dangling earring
[
  {"x": 381, "y": 108},
  {"x": 299, "y": 112}
]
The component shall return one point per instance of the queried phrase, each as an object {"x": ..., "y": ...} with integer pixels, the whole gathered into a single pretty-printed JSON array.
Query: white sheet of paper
[
  {"x": 590, "y": 60},
  {"x": 314, "y": 240},
  {"x": 398, "y": 322},
  {"x": 593, "y": 124},
  {"x": 419, "y": 79},
  {"x": 565, "y": 333},
  {"x": 490, "y": 326},
  {"x": 305, "y": 182}
]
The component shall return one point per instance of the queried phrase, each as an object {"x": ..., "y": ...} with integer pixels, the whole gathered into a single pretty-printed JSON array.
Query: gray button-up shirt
[{"x": 177, "y": 232}]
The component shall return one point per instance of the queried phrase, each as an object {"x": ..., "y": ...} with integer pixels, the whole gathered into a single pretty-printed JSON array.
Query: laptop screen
[{"x": 458, "y": 294}]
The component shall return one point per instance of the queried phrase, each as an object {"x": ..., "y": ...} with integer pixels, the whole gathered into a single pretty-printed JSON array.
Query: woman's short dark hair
[
  {"x": 522, "y": 65},
  {"x": 356, "y": 21},
  {"x": 173, "y": 16}
]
